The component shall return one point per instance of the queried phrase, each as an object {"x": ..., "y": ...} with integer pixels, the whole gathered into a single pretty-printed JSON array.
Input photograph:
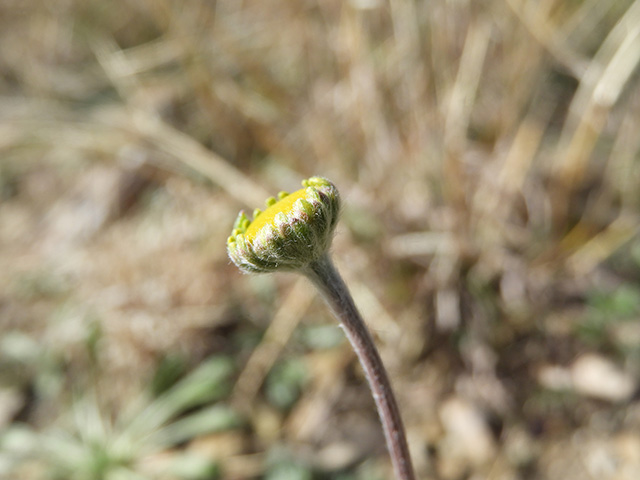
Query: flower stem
[{"x": 327, "y": 279}]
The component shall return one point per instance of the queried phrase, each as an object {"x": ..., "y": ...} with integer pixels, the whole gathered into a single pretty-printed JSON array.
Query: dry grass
[{"x": 487, "y": 153}]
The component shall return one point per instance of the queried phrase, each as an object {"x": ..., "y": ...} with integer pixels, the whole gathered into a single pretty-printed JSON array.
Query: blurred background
[{"x": 488, "y": 157}]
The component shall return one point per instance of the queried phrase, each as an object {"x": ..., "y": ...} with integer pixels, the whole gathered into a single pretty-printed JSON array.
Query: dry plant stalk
[{"x": 294, "y": 234}]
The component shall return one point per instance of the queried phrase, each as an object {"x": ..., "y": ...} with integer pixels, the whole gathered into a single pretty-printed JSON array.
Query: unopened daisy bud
[
  {"x": 294, "y": 230},
  {"x": 295, "y": 233}
]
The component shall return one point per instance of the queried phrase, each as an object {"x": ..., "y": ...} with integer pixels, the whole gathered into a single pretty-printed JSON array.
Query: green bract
[{"x": 294, "y": 230}]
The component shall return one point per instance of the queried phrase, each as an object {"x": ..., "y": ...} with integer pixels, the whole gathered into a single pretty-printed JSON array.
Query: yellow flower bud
[{"x": 291, "y": 232}]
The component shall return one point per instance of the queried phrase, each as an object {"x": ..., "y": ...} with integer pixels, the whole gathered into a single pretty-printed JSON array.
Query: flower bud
[{"x": 294, "y": 230}]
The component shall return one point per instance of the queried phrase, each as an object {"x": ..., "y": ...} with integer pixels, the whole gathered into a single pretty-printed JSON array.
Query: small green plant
[
  {"x": 294, "y": 233},
  {"x": 86, "y": 443}
]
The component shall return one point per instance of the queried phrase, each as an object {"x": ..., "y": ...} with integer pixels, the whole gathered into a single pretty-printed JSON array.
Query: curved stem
[{"x": 327, "y": 279}]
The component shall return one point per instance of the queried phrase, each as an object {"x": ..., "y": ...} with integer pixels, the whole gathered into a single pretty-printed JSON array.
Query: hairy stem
[{"x": 327, "y": 279}]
